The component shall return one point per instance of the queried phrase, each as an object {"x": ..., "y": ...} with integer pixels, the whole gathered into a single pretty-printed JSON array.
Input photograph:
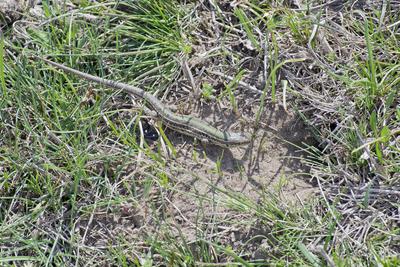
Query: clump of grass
[{"x": 354, "y": 107}]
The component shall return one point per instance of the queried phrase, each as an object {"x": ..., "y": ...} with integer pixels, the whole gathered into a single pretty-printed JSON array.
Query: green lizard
[{"x": 184, "y": 124}]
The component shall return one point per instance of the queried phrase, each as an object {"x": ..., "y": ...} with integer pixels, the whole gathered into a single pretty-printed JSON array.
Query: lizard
[{"x": 185, "y": 124}]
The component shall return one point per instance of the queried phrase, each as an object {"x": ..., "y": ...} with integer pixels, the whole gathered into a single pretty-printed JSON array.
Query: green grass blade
[{"x": 2, "y": 69}]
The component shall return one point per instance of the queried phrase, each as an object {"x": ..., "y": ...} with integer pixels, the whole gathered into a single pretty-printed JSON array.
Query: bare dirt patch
[{"x": 271, "y": 163}]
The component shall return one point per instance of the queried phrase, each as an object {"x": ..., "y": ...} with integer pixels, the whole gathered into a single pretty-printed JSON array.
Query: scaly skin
[{"x": 185, "y": 124}]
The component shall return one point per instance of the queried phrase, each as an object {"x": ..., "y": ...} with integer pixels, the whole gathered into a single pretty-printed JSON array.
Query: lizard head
[{"x": 237, "y": 139}]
